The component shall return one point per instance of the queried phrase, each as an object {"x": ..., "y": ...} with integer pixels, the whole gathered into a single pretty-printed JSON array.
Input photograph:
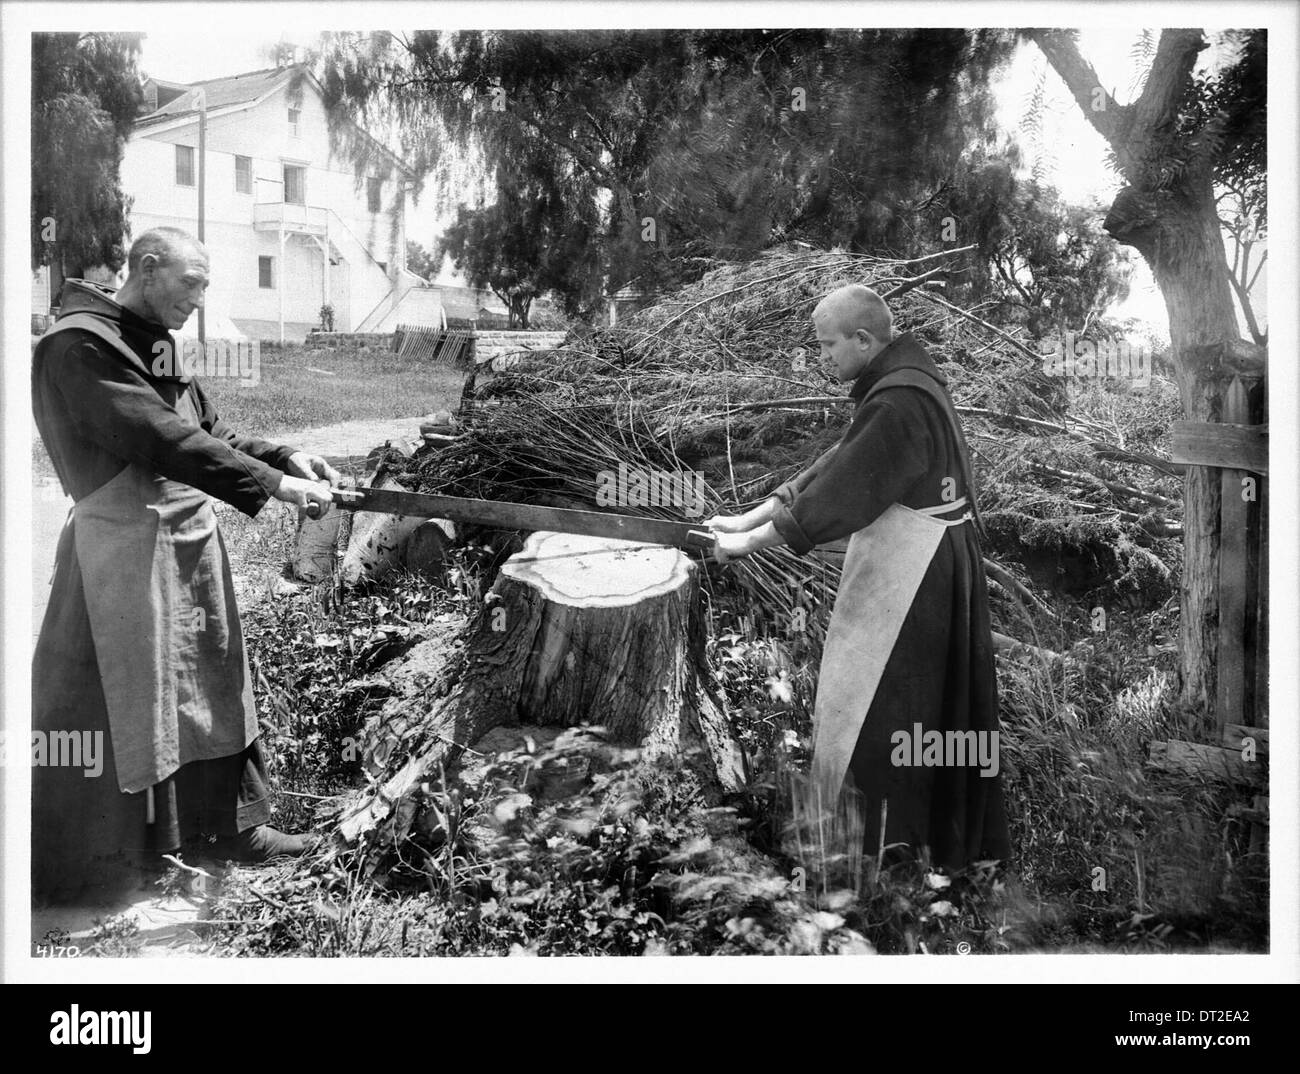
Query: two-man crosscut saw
[{"x": 501, "y": 514}]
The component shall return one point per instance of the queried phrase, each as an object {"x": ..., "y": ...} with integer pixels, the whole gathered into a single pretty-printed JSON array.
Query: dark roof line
[
  {"x": 163, "y": 115},
  {"x": 242, "y": 74}
]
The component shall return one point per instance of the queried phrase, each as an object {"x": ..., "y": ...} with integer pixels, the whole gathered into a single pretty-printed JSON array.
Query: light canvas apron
[
  {"x": 884, "y": 566},
  {"x": 162, "y": 613},
  {"x": 883, "y": 569}
]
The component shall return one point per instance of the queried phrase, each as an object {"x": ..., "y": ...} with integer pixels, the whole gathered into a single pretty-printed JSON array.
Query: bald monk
[
  {"x": 909, "y": 650},
  {"x": 141, "y": 648}
]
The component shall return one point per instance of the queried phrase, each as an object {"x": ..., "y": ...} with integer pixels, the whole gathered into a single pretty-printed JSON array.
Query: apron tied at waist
[
  {"x": 160, "y": 600},
  {"x": 883, "y": 568},
  {"x": 946, "y": 508}
]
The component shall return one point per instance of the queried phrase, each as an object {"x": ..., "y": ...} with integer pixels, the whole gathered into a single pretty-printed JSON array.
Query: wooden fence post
[{"x": 1233, "y": 581}]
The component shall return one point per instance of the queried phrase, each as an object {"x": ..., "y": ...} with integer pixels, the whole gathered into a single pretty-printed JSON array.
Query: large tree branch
[
  {"x": 1129, "y": 129},
  {"x": 1175, "y": 57},
  {"x": 1107, "y": 115}
]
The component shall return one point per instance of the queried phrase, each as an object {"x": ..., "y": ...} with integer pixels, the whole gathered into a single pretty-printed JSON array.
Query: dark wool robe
[
  {"x": 900, "y": 448},
  {"x": 96, "y": 413}
]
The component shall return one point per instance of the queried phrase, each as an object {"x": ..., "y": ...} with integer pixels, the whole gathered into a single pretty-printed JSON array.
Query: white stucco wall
[{"x": 360, "y": 240}]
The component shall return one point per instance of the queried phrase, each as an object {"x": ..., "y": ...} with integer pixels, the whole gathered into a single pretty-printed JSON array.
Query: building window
[
  {"x": 295, "y": 184},
  {"x": 184, "y": 165},
  {"x": 265, "y": 278},
  {"x": 295, "y": 114},
  {"x": 373, "y": 189},
  {"x": 243, "y": 175}
]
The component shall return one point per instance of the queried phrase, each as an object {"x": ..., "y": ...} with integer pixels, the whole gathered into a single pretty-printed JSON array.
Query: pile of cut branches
[{"x": 723, "y": 378}]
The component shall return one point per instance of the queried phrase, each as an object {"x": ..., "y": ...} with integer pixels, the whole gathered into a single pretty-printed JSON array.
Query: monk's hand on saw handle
[
  {"x": 729, "y": 546},
  {"x": 315, "y": 496}
]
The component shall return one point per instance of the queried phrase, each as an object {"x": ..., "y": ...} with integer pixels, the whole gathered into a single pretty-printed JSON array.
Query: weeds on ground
[
  {"x": 115, "y": 937},
  {"x": 314, "y": 660}
]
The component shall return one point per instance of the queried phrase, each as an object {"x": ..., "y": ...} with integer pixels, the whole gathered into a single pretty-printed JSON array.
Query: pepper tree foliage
[
  {"x": 534, "y": 237},
  {"x": 1230, "y": 102},
  {"x": 1042, "y": 262},
  {"x": 619, "y": 156},
  {"x": 1222, "y": 118},
  {"x": 1235, "y": 95},
  {"x": 85, "y": 95},
  {"x": 421, "y": 261}
]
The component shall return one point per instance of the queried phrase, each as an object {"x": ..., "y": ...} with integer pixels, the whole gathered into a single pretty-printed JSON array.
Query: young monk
[{"x": 909, "y": 650}]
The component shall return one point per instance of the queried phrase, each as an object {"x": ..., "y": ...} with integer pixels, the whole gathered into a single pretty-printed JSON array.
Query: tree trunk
[
  {"x": 1167, "y": 213},
  {"x": 1178, "y": 234},
  {"x": 576, "y": 630}
]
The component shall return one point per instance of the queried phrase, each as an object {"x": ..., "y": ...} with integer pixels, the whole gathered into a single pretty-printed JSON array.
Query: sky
[{"x": 1081, "y": 173}]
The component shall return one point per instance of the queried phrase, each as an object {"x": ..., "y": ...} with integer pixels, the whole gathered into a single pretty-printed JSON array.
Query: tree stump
[{"x": 576, "y": 630}]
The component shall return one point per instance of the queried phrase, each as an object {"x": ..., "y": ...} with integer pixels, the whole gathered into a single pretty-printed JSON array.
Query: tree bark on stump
[{"x": 576, "y": 630}]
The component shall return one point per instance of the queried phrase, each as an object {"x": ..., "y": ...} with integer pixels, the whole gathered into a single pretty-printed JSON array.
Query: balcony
[{"x": 279, "y": 215}]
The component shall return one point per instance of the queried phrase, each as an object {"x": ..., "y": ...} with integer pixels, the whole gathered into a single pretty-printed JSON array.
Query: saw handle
[
  {"x": 343, "y": 497},
  {"x": 704, "y": 540}
]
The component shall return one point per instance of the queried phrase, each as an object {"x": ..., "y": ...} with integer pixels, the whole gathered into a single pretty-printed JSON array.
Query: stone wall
[
  {"x": 486, "y": 345},
  {"x": 489, "y": 345},
  {"x": 332, "y": 340}
]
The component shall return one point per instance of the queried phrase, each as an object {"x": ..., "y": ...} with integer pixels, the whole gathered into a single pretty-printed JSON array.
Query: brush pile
[{"x": 724, "y": 378}]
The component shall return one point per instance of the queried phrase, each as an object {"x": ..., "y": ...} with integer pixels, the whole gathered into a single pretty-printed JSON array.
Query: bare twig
[
  {"x": 1153, "y": 524},
  {"x": 983, "y": 324},
  {"x": 916, "y": 281},
  {"x": 772, "y": 404},
  {"x": 194, "y": 869},
  {"x": 1013, "y": 647},
  {"x": 1089, "y": 479},
  {"x": 1008, "y": 581}
]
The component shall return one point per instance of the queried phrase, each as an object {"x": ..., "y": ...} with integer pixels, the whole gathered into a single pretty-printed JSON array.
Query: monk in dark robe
[
  {"x": 906, "y": 713},
  {"x": 141, "y": 645}
]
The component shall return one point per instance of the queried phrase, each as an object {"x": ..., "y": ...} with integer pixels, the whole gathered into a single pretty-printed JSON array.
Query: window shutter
[{"x": 184, "y": 165}]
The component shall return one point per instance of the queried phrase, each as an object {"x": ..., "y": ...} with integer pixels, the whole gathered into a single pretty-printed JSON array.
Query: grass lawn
[{"x": 302, "y": 387}]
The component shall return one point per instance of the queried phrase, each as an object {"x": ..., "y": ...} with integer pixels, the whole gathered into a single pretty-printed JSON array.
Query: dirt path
[{"x": 350, "y": 439}]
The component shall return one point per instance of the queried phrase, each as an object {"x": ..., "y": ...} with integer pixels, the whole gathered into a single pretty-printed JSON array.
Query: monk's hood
[
  {"x": 903, "y": 352},
  {"x": 144, "y": 338}
]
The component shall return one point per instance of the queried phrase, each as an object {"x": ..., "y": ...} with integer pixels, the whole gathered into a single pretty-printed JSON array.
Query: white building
[{"x": 288, "y": 226}]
